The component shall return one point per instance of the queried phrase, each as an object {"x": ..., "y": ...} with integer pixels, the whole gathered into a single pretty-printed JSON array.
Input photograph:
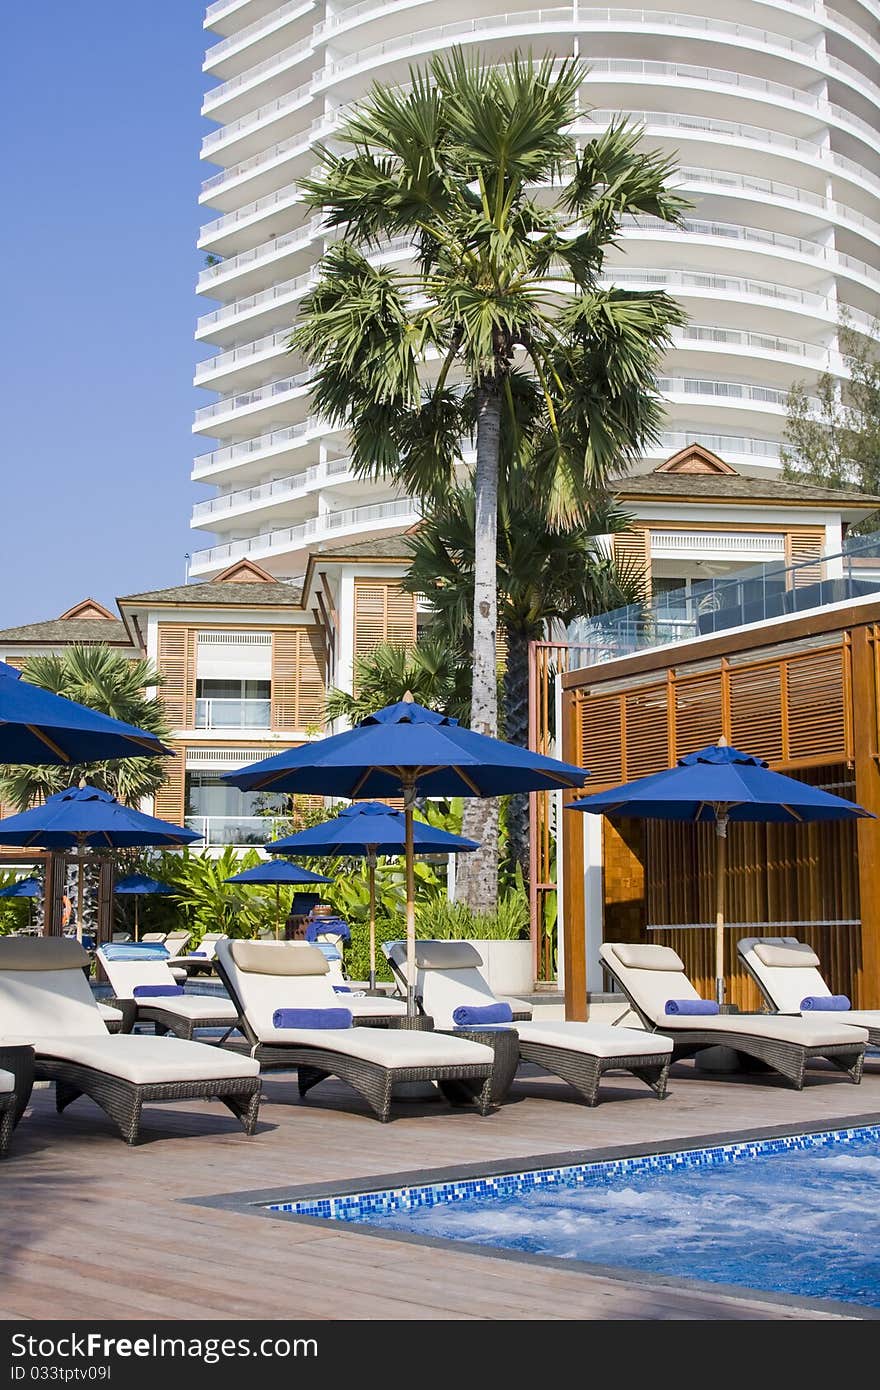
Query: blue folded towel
[
  {"x": 134, "y": 950},
  {"x": 199, "y": 953},
  {"x": 692, "y": 1006},
  {"x": 327, "y": 926},
  {"x": 474, "y": 1016},
  {"x": 342, "y": 989},
  {"x": 156, "y": 991},
  {"x": 825, "y": 1003},
  {"x": 311, "y": 1018}
]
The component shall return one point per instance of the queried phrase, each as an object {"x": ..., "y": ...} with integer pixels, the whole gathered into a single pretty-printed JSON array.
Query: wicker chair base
[
  {"x": 788, "y": 1059},
  {"x": 123, "y": 1100},
  {"x": 584, "y": 1071},
  {"x": 18, "y": 1058},
  {"x": 7, "y": 1122},
  {"x": 505, "y": 1043},
  {"x": 166, "y": 1021}
]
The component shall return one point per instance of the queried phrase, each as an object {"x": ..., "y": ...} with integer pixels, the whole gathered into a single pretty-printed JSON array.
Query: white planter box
[{"x": 507, "y": 965}]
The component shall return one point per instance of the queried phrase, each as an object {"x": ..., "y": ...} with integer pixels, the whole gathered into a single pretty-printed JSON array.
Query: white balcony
[
  {"x": 249, "y": 134},
  {"x": 258, "y": 83},
  {"x": 250, "y": 457},
  {"x": 253, "y": 269},
  {"x": 233, "y": 714},
  {"x": 291, "y": 541},
  {"x": 256, "y": 40},
  {"x": 266, "y": 401},
  {"x": 272, "y": 495}
]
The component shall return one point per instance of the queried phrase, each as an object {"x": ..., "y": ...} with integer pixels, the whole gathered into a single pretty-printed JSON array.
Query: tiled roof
[
  {"x": 736, "y": 487},
  {"x": 251, "y": 594},
  {"x": 68, "y": 630},
  {"x": 388, "y": 548}
]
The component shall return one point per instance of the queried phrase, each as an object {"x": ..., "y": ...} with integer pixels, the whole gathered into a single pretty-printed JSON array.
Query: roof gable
[
  {"x": 89, "y": 609},
  {"x": 694, "y": 458},
  {"x": 244, "y": 572}
]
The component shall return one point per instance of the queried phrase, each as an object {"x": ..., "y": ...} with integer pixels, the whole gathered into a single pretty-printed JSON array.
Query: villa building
[{"x": 765, "y": 263}]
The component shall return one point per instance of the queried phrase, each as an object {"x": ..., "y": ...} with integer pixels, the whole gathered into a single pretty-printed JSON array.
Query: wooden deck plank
[{"x": 77, "y": 1202}]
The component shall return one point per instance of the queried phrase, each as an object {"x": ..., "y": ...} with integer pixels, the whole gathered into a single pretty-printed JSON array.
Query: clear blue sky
[{"x": 100, "y": 184}]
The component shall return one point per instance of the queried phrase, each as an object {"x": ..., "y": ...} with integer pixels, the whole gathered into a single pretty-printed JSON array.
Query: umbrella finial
[
  {"x": 722, "y": 742},
  {"x": 408, "y": 697},
  {"x": 81, "y": 782}
]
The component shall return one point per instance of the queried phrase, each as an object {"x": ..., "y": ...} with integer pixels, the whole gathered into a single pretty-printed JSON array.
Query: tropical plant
[
  {"x": 206, "y": 902},
  {"x": 433, "y": 671},
  {"x": 833, "y": 428},
  {"x": 111, "y": 683},
  {"x": 444, "y": 920},
  {"x": 15, "y": 913},
  {"x": 417, "y": 364},
  {"x": 545, "y": 574}
]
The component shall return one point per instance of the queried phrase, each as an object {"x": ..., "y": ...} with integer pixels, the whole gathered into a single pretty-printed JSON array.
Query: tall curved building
[{"x": 772, "y": 114}]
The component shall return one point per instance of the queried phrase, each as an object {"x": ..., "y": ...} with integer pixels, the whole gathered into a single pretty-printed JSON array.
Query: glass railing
[
  {"x": 248, "y": 398},
  {"x": 216, "y": 831},
  {"x": 268, "y": 21},
  {"x": 233, "y": 714},
  {"x": 293, "y": 436},
  {"x": 316, "y": 528},
  {"x": 753, "y": 595},
  {"x": 244, "y": 79}
]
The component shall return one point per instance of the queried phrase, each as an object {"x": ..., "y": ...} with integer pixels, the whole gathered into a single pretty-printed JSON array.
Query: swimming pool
[{"x": 796, "y": 1215}]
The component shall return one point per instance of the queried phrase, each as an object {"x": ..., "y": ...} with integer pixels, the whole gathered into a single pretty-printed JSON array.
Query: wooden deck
[{"x": 91, "y": 1228}]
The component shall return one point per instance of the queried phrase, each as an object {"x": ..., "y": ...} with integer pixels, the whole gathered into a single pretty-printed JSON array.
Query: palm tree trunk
[
  {"x": 477, "y": 877},
  {"x": 516, "y": 730}
]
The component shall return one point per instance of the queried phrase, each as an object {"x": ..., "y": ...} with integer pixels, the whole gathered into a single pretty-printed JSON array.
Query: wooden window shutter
[
  {"x": 601, "y": 743},
  {"x": 17, "y": 662},
  {"x": 647, "y": 732},
  {"x": 632, "y": 548},
  {"x": 298, "y": 685},
  {"x": 382, "y": 613},
  {"x": 802, "y": 546},
  {"x": 698, "y": 719},
  {"x": 177, "y": 662},
  {"x": 756, "y": 711},
  {"x": 816, "y": 705},
  {"x": 169, "y": 800}
]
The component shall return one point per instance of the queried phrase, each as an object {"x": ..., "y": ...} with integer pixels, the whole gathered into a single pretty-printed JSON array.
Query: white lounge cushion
[
  {"x": 637, "y": 957},
  {"x": 853, "y": 1018},
  {"x": 279, "y": 958},
  {"x": 125, "y": 975},
  {"x": 370, "y": 1007},
  {"x": 146, "y": 1060},
  {"x": 192, "y": 1006},
  {"x": 388, "y": 1047},
  {"x": 109, "y": 1014},
  {"x": 49, "y": 1001},
  {"x": 594, "y": 1039},
  {"x": 7, "y": 1082},
  {"x": 806, "y": 1031},
  {"x": 445, "y": 955},
  {"x": 792, "y": 955}
]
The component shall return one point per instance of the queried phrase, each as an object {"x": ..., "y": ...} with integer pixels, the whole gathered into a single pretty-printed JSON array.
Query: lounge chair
[
  {"x": 651, "y": 975},
  {"x": 787, "y": 971},
  {"x": 448, "y": 977},
  {"x": 46, "y": 1002},
  {"x": 201, "y": 960},
  {"x": 132, "y": 968},
  {"x": 265, "y": 976},
  {"x": 16, "y": 1080},
  {"x": 175, "y": 942},
  {"x": 151, "y": 938}
]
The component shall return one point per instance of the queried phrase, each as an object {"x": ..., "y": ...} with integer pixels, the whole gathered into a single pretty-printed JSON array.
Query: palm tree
[
  {"x": 434, "y": 672},
  {"x": 111, "y": 683},
  {"x": 477, "y": 167},
  {"x": 544, "y": 575}
]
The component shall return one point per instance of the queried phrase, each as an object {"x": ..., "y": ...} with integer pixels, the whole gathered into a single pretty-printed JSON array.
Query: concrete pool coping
[{"x": 257, "y": 1202}]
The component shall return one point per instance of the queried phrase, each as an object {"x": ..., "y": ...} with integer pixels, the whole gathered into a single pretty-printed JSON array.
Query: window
[{"x": 233, "y": 704}]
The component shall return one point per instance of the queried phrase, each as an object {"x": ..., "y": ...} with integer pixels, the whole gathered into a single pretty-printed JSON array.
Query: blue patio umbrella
[
  {"x": 411, "y": 751},
  {"x": 135, "y": 885},
  {"x": 84, "y": 817},
  {"x": 718, "y": 785},
  {"x": 23, "y": 888},
  {"x": 367, "y": 830},
  {"x": 38, "y": 727},
  {"x": 277, "y": 873}
]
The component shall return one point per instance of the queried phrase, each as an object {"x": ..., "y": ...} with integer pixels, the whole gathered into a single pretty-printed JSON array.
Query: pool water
[{"x": 798, "y": 1215}]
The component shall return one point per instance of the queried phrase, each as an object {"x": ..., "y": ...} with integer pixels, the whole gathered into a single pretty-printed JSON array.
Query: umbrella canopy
[
  {"x": 720, "y": 784},
  {"x": 23, "y": 888},
  {"x": 38, "y": 727},
  {"x": 84, "y": 816},
  {"x": 141, "y": 883},
  {"x": 406, "y": 746},
  {"x": 408, "y": 749},
  {"x": 277, "y": 873},
  {"x": 369, "y": 829}
]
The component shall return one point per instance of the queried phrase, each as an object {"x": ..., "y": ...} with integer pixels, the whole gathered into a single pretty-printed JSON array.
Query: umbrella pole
[
  {"x": 137, "y": 934},
  {"x": 277, "y": 911},
  {"x": 79, "y": 896},
  {"x": 408, "y": 798},
  {"x": 371, "y": 865},
  {"x": 721, "y": 822}
]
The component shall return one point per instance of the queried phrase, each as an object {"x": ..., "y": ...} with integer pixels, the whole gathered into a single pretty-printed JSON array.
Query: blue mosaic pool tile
[{"x": 357, "y": 1206}]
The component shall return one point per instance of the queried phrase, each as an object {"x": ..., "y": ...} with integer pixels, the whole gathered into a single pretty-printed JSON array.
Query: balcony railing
[
  {"x": 268, "y": 21},
  {"x": 217, "y": 831},
  {"x": 753, "y": 596},
  {"x": 233, "y": 714},
  {"x": 247, "y": 398},
  {"x": 316, "y": 528}
]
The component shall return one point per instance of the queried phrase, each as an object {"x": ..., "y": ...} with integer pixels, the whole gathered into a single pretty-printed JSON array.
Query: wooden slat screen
[
  {"x": 633, "y": 548},
  {"x": 298, "y": 684},
  {"x": 801, "y": 546},
  {"x": 176, "y": 660},
  {"x": 791, "y": 711},
  {"x": 382, "y": 613},
  {"x": 169, "y": 801}
]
